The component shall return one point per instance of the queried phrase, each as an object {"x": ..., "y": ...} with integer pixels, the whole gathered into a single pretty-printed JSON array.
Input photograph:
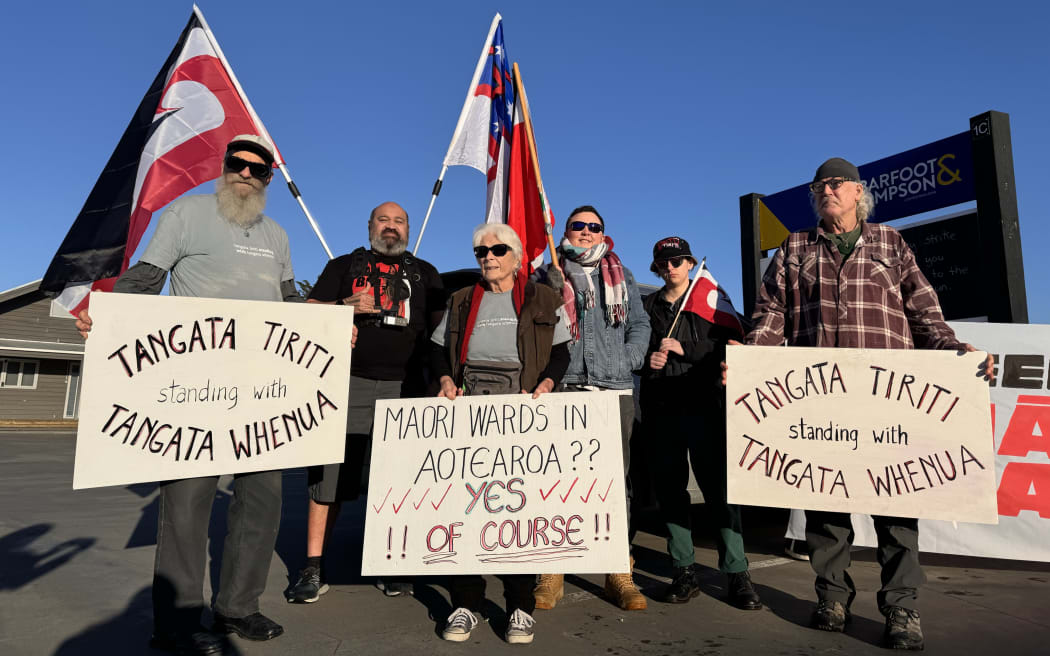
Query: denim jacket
[{"x": 606, "y": 355}]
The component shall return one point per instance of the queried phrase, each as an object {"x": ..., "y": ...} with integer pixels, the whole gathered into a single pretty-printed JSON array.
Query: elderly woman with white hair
[{"x": 504, "y": 335}]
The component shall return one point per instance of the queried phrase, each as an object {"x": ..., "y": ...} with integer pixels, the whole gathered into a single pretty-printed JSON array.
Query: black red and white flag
[
  {"x": 175, "y": 142},
  {"x": 708, "y": 299}
]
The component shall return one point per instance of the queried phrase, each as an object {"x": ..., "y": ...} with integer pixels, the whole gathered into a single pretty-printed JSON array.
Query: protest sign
[
  {"x": 879, "y": 431},
  {"x": 184, "y": 387},
  {"x": 497, "y": 484},
  {"x": 1021, "y": 415}
]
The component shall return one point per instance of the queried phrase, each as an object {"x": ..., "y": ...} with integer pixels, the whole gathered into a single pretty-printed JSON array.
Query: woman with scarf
[
  {"x": 610, "y": 333},
  {"x": 504, "y": 335}
]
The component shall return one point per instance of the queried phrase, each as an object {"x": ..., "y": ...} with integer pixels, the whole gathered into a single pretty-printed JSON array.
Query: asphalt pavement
[{"x": 75, "y": 571}]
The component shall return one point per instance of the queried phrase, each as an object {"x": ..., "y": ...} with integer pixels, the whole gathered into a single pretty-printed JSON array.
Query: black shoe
[
  {"x": 396, "y": 587},
  {"x": 830, "y": 616},
  {"x": 796, "y": 549},
  {"x": 741, "y": 593},
  {"x": 253, "y": 627},
  {"x": 902, "y": 629},
  {"x": 683, "y": 587},
  {"x": 308, "y": 588},
  {"x": 198, "y": 643}
]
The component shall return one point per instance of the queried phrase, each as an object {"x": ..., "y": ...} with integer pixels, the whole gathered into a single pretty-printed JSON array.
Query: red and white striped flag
[{"x": 174, "y": 142}]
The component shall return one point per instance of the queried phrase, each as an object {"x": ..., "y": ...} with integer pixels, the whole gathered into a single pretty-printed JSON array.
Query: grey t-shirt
[
  {"x": 495, "y": 336},
  {"x": 211, "y": 257}
]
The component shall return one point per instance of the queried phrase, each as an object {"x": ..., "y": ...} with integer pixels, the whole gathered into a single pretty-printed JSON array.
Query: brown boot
[
  {"x": 621, "y": 590},
  {"x": 549, "y": 590}
]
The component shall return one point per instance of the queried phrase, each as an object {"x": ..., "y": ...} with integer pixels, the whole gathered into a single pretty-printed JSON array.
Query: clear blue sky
[{"x": 660, "y": 114}]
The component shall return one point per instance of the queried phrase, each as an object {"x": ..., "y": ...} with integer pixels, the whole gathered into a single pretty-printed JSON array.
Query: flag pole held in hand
[{"x": 685, "y": 297}]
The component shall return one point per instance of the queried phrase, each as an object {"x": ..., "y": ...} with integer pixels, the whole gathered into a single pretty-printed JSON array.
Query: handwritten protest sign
[
  {"x": 885, "y": 432},
  {"x": 497, "y": 484},
  {"x": 185, "y": 387}
]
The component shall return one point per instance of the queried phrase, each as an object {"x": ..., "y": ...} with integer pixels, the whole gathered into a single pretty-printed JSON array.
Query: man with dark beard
[
  {"x": 218, "y": 245},
  {"x": 398, "y": 300}
]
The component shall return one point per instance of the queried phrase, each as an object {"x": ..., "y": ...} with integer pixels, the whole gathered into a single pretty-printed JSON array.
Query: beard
[
  {"x": 383, "y": 244},
  {"x": 242, "y": 211}
]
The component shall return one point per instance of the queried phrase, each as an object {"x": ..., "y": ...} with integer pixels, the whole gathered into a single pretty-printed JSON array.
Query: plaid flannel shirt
[{"x": 877, "y": 298}]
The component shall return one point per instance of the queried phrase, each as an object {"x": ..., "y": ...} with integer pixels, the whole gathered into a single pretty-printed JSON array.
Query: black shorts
[{"x": 345, "y": 481}]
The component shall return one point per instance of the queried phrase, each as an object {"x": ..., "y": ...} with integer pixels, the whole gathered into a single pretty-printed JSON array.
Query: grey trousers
[
  {"x": 830, "y": 535},
  {"x": 253, "y": 519}
]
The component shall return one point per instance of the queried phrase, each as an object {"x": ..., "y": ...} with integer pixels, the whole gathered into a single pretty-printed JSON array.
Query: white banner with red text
[{"x": 501, "y": 484}]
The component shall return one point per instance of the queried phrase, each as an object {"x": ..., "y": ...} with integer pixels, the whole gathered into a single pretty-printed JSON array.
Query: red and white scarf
[{"x": 614, "y": 284}]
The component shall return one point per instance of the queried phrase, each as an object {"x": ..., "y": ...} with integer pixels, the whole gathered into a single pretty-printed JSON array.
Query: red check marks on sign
[
  {"x": 584, "y": 498},
  {"x": 396, "y": 507}
]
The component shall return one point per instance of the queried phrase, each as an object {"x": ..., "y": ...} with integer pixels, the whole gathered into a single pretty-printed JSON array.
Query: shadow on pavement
[
  {"x": 798, "y": 611},
  {"x": 127, "y": 633},
  {"x": 145, "y": 532},
  {"x": 20, "y": 563}
]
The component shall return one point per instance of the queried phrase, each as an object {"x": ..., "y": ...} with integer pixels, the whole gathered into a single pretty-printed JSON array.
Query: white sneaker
[
  {"x": 520, "y": 628},
  {"x": 459, "y": 625}
]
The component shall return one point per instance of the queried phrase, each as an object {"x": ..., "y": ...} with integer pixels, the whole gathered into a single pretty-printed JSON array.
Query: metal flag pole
[
  {"x": 519, "y": 85},
  {"x": 265, "y": 133},
  {"x": 699, "y": 270},
  {"x": 459, "y": 127}
]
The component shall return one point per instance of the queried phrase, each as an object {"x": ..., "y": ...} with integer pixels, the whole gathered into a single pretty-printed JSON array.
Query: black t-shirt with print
[{"x": 384, "y": 351}]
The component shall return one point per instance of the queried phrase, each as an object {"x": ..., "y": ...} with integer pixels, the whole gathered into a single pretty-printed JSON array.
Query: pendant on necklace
[{"x": 246, "y": 234}]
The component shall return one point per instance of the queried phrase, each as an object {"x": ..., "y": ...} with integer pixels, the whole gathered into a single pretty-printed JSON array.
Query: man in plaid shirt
[{"x": 854, "y": 284}]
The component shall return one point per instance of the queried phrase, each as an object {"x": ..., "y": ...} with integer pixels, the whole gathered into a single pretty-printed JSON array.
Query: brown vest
[{"x": 535, "y": 330}]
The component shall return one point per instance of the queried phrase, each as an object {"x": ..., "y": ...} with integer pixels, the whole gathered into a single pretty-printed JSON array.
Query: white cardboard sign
[
  {"x": 1021, "y": 414},
  {"x": 905, "y": 433},
  {"x": 182, "y": 387},
  {"x": 497, "y": 485}
]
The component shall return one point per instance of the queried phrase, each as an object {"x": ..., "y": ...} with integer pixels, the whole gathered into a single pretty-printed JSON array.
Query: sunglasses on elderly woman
[
  {"x": 499, "y": 250},
  {"x": 670, "y": 263},
  {"x": 258, "y": 170},
  {"x": 577, "y": 226}
]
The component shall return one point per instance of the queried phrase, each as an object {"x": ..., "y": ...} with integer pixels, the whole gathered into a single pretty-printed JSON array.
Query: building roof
[{"x": 21, "y": 290}]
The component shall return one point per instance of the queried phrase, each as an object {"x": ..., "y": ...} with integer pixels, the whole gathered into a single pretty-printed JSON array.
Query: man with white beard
[
  {"x": 217, "y": 245},
  {"x": 398, "y": 300}
]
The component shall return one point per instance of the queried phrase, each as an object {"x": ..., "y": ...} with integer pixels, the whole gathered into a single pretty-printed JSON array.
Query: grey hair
[
  {"x": 504, "y": 233},
  {"x": 865, "y": 206}
]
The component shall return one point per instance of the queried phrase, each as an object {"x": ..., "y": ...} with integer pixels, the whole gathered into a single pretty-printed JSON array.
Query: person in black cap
[
  {"x": 854, "y": 284},
  {"x": 217, "y": 245},
  {"x": 683, "y": 412}
]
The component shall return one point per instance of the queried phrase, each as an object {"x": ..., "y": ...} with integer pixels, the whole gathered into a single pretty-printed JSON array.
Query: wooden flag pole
[
  {"x": 519, "y": 87},
  {"x": 699, "y": 270}
]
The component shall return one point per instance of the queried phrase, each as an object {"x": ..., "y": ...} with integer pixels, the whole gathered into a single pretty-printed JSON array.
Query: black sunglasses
[
  {"x": 671, "y": 262},
  {"x": 499, "y": 250},
  {"x": 577, "y": 226},
  {"x": 258, "y": 170},
  {"x": 834, "y": 183}
]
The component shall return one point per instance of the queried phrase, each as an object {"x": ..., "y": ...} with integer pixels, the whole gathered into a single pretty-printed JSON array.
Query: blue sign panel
[{"x": 926, "y": 178}]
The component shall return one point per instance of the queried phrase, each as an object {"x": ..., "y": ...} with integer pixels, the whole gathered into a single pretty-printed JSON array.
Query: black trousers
[
  {"x": 830, "y": 535},
  {"x": 182, "y": 540},
  {"x": 669, "y": 436},
  {"x": 467, "y": 591}
]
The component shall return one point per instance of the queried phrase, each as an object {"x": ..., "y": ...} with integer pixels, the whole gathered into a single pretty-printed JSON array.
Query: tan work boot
[
  {"x": 549, "y": 590},
  {"x": 621, "y": 590}
]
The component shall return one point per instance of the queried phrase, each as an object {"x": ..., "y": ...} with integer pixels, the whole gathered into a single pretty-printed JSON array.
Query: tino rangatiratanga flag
[{"x": 174, "y": 142}]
